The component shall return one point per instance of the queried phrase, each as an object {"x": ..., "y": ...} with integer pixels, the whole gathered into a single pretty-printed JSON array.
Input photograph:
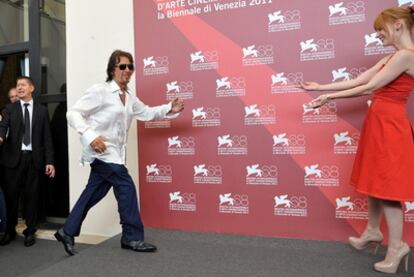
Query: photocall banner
[{"x": 246, "y": 156}]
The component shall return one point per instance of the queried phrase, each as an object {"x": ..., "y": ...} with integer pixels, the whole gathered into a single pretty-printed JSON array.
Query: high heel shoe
[
  {"x": 367, "y": 238},
  {"x": 393, "y": 259}
]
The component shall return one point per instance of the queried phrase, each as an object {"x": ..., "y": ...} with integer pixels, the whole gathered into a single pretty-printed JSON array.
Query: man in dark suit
[{"x": 27, "y": 152}]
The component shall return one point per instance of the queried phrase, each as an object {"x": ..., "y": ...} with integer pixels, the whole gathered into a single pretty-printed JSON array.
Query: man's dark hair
[
  {"x": 114, "y": 60},
  {"x": 28, "y": 79}
]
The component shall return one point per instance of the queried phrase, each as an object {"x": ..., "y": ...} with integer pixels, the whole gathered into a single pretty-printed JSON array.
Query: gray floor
[
  {"x": 18, "y": 260},
  {"x": 193, "y": 254}
]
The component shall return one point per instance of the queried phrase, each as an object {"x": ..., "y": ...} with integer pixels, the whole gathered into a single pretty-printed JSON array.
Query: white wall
[{"x": 94, "y": 28}]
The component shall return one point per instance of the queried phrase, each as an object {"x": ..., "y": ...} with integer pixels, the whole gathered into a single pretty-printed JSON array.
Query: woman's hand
[
  {"x": 310, "y": 85},
  {"x": 318, "y": 102}
]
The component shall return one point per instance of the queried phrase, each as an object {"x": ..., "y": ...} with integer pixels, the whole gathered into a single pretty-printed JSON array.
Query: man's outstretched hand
[{"x": 177, "y": 105}]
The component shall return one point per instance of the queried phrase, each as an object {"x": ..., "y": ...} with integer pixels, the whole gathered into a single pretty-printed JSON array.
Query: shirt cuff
[{"x": 88, "y": 136}]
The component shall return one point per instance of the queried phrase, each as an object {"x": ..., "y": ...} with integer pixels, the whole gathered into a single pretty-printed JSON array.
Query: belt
[{"x": 24, "y": 152}]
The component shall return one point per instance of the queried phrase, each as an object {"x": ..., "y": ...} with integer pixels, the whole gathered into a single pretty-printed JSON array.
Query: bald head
[{"x": 13, "y": 97}]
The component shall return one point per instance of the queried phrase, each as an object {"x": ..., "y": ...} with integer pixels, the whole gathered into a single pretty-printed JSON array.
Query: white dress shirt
[
  {"x": 30, "y": 109},
  {"x": 100, "y": 112}
]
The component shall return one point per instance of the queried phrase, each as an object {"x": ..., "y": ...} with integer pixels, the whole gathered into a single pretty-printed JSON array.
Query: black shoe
[
  {"x": 67, "y": 241},
  {"x": 138, "y": 245},
  {"x": 7, "y": 238},
  {"x": 29, "y": 240}
]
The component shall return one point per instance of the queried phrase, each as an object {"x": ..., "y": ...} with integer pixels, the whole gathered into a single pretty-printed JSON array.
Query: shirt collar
[
  {"x": 115, "y": 88},
  {"x": 30, "y": 103}
]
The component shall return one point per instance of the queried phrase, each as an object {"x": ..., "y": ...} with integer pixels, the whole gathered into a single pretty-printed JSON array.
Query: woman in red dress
[{"x": 384, "y": 163}]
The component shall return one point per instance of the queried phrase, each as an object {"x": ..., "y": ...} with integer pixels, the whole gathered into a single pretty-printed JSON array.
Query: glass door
[{"x": 11, "y": 66}]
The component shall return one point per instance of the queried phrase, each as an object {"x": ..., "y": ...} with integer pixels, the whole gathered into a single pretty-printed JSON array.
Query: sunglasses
[{"x": 123, "y": 66}]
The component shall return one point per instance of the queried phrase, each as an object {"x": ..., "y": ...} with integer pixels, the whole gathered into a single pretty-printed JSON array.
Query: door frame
[{"x": 32, "y": 47}]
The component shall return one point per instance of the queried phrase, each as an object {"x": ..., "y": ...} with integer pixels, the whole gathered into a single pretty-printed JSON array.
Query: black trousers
[{"x": 24, "y": 178}]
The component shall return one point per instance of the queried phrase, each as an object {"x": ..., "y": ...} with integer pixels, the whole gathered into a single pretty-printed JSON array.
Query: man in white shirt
[{"x": 102, "y": 117}]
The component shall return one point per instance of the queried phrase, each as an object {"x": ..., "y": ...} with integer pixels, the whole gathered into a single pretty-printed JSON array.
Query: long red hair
[{"x": 392, "y": 14}]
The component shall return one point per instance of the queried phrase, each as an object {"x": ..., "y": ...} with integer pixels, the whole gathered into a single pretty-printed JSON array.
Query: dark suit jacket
[{"x": 13, "y": 122}]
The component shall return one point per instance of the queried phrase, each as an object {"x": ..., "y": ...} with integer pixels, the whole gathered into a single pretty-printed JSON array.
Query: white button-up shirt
[{"x": 100, "y": 112}]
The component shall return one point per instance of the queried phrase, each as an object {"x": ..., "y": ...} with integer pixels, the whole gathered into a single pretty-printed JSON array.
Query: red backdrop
[{"x": 245, "y": 157}]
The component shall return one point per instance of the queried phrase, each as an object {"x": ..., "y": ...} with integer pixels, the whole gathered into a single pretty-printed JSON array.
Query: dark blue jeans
[{"x": 103, "y": 176}]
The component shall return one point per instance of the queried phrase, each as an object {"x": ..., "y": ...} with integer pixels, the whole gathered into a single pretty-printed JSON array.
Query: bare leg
[
  {"x": 374, "y": 214},
  {"x": 394, "y": 217},
  {"x": 397, "y": 249},
  {"x": 372, "y": 233}
]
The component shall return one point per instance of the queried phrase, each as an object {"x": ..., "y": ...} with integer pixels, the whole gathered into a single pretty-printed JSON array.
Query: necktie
[
  {"x": 26, "y": 136},
  {"x": 122, "y": 96}
]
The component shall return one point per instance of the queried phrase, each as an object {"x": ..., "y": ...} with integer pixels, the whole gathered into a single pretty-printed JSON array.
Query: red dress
[{"x": 384, "y": 163}]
